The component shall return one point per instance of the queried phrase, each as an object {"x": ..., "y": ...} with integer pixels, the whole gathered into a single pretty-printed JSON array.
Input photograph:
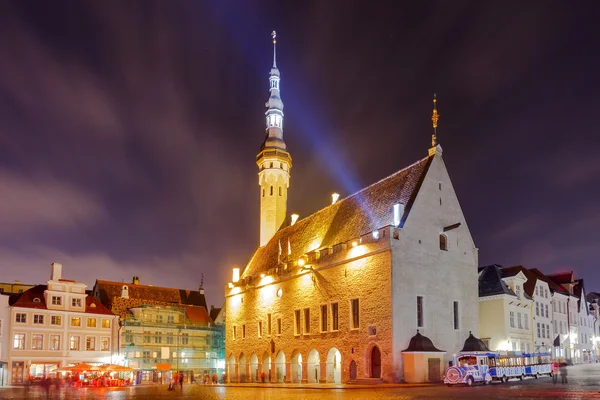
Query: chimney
[
  {"x": 334, "y": 197},
  {"x": 55, "y": 271},
  {"x": 294, "y": 219},
  {"x": 136, "y": 280}
]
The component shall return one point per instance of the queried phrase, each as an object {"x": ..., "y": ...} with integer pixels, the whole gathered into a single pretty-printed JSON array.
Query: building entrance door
[
  {"x": 353, "y": 370},
  {"x": 375, "y": 363},
  {"x": 17, "y": 373},
  {"x": 434, "y": 370}
]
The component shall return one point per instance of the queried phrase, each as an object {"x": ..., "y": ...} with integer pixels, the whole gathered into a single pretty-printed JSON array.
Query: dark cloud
[{"x": 128, "y": 130}]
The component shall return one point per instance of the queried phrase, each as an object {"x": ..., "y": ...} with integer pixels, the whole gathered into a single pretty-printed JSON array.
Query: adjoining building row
[{"x": 153, "y": 330}]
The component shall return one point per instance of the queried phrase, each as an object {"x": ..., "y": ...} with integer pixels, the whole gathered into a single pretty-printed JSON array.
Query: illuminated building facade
[
  {"x": 4, "y": 339},
  {"x": 338, "y": 295},
  {"x": 505, "y": 310},
  {"x": 164, "y": 330},
  {"x": 14, "y": 288},
  {"x": 56, "y": 325}
]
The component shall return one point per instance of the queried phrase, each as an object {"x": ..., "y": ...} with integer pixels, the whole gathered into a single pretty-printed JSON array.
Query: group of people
[{"x": 559, "y": 368}]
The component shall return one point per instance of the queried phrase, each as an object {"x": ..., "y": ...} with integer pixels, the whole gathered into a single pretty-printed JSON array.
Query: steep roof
[
  {"x": 562, "y": 277},
  {"x": 529, "y": 285},
  {"x": 554, "y": 287},
  {"x": 198, "y": 315},
  {"x": 491, "y": 283},
  {"x": 34, "y": 298},
  {"x": 108, "y": 290},
  {"x": 365, "y": 211}
]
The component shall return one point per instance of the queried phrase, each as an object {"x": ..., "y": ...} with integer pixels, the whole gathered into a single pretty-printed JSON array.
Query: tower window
[
  {"x": 271, "y": 167},
  {"x": 271, "y": 191},
  {"x": 263, "y": 192},
  {"x": 440, "y": 185},
  {"x": 443, "y": 242},
  {"x": 280, "y": 190}
]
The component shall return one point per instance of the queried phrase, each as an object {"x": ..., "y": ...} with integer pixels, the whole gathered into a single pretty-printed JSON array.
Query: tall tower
[{"x": 274, "y": 162}]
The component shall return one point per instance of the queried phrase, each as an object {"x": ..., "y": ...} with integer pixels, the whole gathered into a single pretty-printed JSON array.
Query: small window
[
  {"x": 106, "y": 323},
  {"x": 55, "y": 320},
  {"x": 334, "y": 317},
  {"x": 355, "y": 321},
  {"x": 297, "y": 322},
  {"x": 38, "y": 319},
  {"x": 324, "y": 322},
  {"x": 456, "y": 315},
  {"x": 243, "y": 331},
  {"x": 90, "y": 343},
  {"x": 440, "y": 185},
  {"x": 279, "y": 326},
  {"x": 91, "y": 322},
  {"x": 269, "y": 325},
  {"x": 420, "y": 320},
  {"x": 306, "y": 321},
  {"x": 271, "y": 167},
  {"x": 259, "y": 329},
  {"x": 443, "y": 242},
  {"x": 75, "y": 321},
  {"x": 36, "y": 300},
  {"x": 76, "y": 302},
  {"x": 271, "y": 191},
  {"x": 263, "y": 192},
  {"x": 21, "y": 318},
  {"x": 280, "y": 191},
  {"x": 234, "y": 332}
]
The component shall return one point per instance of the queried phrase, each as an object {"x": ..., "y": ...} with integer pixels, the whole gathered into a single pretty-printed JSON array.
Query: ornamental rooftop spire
[
  {"x": 274, "y": 106},
  {"x": 434, "y": 119}
]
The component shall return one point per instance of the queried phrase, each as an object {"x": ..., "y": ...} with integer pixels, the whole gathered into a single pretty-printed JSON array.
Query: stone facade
[{"x": 397, "y": 275}]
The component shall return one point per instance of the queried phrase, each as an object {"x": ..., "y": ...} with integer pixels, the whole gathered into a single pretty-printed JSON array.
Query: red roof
[
  {"x": 198, "y": 315},
  {"x": 34, "y": 298}
]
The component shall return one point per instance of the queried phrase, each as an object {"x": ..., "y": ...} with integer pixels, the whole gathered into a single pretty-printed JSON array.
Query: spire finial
[
  {"x": 434, "y": 119},
  {"x": 274, "y": 35},
  {"x": 201, "y": 280}
]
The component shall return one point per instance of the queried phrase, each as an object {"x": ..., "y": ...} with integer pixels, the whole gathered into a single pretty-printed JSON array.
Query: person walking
[
  {"x": 181, "y": 381},
  {"x": 563, "y": 373},
  {"x": 555, "y": 372}
]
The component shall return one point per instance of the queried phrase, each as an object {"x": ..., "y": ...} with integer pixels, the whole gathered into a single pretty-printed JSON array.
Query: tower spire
[
  {"x": 273, "y": 161},
  {"x": 274, "y": 35},
  {"x": 434, "y": 119}
]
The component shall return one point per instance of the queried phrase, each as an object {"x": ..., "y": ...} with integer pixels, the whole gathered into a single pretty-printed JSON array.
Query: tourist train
[{"x": 485, "y": 367}]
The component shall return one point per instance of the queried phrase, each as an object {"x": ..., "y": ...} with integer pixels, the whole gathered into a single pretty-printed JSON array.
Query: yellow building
[
  {"x": 505, "y": 311},
  {"x": 338, "y": 295},
  {"x": 56, "y": 325},
  {"x": 14, "y": 288}
]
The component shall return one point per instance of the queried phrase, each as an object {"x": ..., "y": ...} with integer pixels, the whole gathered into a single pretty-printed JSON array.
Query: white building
[{"x": 56, "y": 325}]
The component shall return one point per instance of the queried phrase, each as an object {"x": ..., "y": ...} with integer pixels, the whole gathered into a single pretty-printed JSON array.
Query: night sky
[{"x": 129, "y": 130}]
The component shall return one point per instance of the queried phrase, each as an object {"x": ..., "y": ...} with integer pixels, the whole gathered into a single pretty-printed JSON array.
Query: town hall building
[{"x": 338, "y": 295}]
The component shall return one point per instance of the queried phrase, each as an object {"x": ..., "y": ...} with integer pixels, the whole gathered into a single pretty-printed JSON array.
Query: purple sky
[{"x": 128, "y": 132}]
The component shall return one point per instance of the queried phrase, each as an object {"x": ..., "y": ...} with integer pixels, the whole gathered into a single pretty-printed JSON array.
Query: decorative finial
[
  {"x": 201, "y": 280},
  {"x": 274, "y": 35},
  {"x": 434, "y": 119}
]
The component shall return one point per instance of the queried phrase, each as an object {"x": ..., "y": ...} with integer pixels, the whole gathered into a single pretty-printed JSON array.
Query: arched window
[{"x": 443, "y": 242}]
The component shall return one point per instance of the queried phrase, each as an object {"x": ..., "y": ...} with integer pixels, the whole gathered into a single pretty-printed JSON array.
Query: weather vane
[
  {"x": 434, "y": 119},
  {"x": 274, "y": 35}
]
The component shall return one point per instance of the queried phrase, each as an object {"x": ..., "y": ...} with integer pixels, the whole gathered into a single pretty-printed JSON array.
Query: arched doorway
[
  {"x": 266, "y": 367},
  {"x": 314, "y": 366},
  {"x": 242, "y": 368},
  {"x": 280, "y": 367},
  {"x": 375, "y": 362},
  {"x": 253, "y": 368},
  {"x": 334, "y": 366},
  {"x": 296, "y": 367},
  {"x": 231, "y": 369},
  {"x": 353, "y": 370}
]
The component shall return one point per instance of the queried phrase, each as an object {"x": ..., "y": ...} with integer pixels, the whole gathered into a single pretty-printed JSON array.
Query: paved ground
[{"x": 584, "y": 383}]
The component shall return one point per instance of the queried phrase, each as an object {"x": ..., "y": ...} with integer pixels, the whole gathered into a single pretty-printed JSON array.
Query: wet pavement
[{"x": 584, "y": 383}]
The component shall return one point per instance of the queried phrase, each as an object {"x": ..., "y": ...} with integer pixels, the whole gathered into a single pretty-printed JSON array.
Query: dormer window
[
  {"x": 56, "y": 300},
  {"x": 76, "y": 302},
  {"x": 443, "y": 242}
]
